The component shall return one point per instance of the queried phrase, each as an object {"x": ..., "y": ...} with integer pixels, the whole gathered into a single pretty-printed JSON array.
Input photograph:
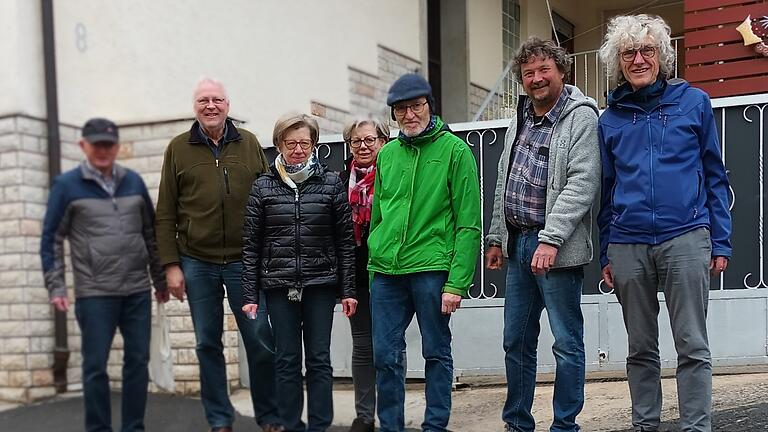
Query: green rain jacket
[{"x": 426, "y": 209}]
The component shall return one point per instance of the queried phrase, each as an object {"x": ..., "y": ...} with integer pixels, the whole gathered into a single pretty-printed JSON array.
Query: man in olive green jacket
[
  {"x": 424, "y": 244},
  {"x": 206, "y": 178}
]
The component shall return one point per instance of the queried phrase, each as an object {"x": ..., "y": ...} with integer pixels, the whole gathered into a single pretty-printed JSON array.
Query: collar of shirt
[
  {"x": 553, "y": 113},
  {"x": 107, "y": 183},
  {"x": 216, "y": 149}
]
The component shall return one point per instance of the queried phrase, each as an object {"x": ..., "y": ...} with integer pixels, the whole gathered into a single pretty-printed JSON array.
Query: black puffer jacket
[{"x": 298, "y": 240}]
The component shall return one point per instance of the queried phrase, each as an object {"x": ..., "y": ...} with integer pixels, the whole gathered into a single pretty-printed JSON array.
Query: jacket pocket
[
  {"x": 699, "y": 187},
  {"x": 267, "y": 260}
]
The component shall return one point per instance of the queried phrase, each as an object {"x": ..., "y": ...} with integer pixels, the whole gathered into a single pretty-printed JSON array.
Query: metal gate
[{"x": 738, "y": 307}]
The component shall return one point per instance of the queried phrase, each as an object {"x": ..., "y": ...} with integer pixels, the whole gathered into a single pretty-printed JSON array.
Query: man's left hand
[
  {"x": 451, "y": 302},
  {"x": 718, "y": 265},
  {"x": 543, "y": 258},
  {"x": 162, "y": 296}
]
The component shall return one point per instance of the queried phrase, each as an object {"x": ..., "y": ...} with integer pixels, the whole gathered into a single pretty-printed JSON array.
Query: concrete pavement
[{"x": 740, "y": 403}]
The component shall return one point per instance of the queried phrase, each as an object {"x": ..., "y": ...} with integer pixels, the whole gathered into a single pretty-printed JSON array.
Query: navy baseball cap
[{"x": 99, "y": 129}]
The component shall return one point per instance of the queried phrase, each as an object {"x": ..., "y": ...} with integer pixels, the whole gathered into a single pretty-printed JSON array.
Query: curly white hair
[{"x": 631, "y": 32}]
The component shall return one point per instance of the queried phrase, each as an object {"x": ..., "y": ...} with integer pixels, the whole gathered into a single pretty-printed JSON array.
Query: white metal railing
[{"x": 588, "y": 74}]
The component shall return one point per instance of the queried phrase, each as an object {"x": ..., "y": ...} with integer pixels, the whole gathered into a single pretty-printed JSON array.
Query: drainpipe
[{"x": 61, "y": 348}]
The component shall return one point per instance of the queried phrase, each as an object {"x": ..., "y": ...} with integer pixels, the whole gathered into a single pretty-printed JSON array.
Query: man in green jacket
[
  {"x": 205, "y": 182},
  {"x": 424, "y": 245}
]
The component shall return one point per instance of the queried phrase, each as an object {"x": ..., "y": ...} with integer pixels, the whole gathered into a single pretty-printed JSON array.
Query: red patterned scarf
[{"x": 361, "y": 197}]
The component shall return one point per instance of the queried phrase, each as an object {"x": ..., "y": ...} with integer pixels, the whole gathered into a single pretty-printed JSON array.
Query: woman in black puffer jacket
[{"x": 299, "y": 247}]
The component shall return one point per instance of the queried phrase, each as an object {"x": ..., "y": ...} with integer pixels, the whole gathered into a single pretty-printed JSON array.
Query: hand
[
  {"x": 250, "y": 309},
  {"x": 174, "y": 278},
  {"x": 543, "y": 258},
  {"x": 162, "y": 296},
  {"x": 608, "y": 276},
  {"x": 349, "y": 306},
  {"x": 451, "y": 302},
  {"x": 717, "y": 265},
  {"x": 494, "y": 259},
  {"x": 61, "y": 303}
]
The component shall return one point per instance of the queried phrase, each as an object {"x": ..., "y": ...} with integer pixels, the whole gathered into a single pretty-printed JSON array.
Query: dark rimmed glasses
[
  {"x": 369, "y": 141},
  {"x": 291, "y": 144},
  {"x": 648, "y": 52},
  {"x": 417, "y": 108}
]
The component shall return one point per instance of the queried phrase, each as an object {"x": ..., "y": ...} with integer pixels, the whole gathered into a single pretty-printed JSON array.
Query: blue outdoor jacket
[{"x": 663, "y": 173}]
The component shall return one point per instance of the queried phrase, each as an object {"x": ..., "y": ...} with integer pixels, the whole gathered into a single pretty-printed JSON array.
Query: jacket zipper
[
  {"x": 223, "y": 220},
  {"x": 226, "y": 180},
  {"x": 297, "y": 215},
  {"x": 404, "y": 235},
  {"x": 653, "y": 186}
]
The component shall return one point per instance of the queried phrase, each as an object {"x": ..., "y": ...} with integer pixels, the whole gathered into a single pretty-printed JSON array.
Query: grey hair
[
  {"x": 534, "y": 47},
  {"x": 631, "y": 32},
  {"x": 214, "y": 81},
  {"x": 382, "y": 128}
]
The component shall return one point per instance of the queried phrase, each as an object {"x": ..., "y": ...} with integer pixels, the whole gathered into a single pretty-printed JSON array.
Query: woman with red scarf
[{"x": 364, "y": 138}]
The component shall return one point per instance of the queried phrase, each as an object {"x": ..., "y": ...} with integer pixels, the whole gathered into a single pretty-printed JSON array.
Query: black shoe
[
  {"x": 271, "y": 427},
  {"x": 362, "y": 425}
]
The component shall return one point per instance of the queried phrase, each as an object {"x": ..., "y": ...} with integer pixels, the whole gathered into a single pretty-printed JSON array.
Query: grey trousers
[{"x": 680, "y": 268}]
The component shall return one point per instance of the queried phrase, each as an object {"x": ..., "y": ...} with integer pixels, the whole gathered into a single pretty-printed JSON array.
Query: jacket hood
[
  {"x": 577, "y": 99},
  {"x": 673, "y": 91}
]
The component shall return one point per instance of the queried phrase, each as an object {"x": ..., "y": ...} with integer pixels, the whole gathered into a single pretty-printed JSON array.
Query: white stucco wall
[
  {"x": 485, "y": 41},
  {"x": 21, "y": 46},
  {"x": 138, "y": 61}
]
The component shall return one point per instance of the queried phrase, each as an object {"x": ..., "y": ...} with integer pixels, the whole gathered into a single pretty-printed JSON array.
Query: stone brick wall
[
  {"x": 26, "y": 319},
  {"x": 367, "y": 92}
]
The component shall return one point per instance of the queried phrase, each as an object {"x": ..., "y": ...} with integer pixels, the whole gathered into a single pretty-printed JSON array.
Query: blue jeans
[
  {"x": 394, "y": 300},
  {"x": 559, "y": 291},
  {"x": 205, "y": 284},
  {"x": 98, "y": 318},
  {"x": 310, "y": 321}
]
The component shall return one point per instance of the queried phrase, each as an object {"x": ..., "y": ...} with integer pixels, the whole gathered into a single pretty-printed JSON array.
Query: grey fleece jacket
[{"x": 572, "y": 183}]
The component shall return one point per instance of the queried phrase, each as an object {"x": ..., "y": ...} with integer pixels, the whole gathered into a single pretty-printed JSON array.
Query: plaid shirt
[{"x": 526, "y": 197}]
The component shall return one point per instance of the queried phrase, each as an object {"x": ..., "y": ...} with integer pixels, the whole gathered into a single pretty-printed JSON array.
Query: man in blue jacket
[
  {"x": 105, "y": 212},
  {"x": 665, "y": 222}
]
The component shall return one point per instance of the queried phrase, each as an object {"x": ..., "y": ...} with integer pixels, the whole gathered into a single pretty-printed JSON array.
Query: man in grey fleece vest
[{"x": 549, "y": 174}]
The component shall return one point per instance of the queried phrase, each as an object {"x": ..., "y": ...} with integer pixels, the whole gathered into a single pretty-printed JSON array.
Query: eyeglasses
[
  {"x": 369, "y": 140},
  {"x": 205, "y": 101},
  {"x": 648, "y": 52},
  {"x": 417, "y": 108},
  {"x": 305, "y": 144}
]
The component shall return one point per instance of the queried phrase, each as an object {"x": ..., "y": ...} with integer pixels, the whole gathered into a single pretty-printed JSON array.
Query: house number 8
[{"x": 81, "y": 37}]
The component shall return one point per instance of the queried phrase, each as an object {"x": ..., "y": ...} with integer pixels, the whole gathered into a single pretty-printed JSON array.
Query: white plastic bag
[{"x": 160, "y": 355}]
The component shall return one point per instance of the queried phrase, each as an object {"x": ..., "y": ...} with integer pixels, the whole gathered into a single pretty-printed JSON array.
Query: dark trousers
[
  {"x": 98, "y": 318},
  {"x": 309, "y": 320},
  {"x": 205, "y": 290},
  {"x": 363, "y": 370}
]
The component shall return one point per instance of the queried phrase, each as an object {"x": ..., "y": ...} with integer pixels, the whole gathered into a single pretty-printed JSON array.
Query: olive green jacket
[{"x": 201, "y": 205}]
